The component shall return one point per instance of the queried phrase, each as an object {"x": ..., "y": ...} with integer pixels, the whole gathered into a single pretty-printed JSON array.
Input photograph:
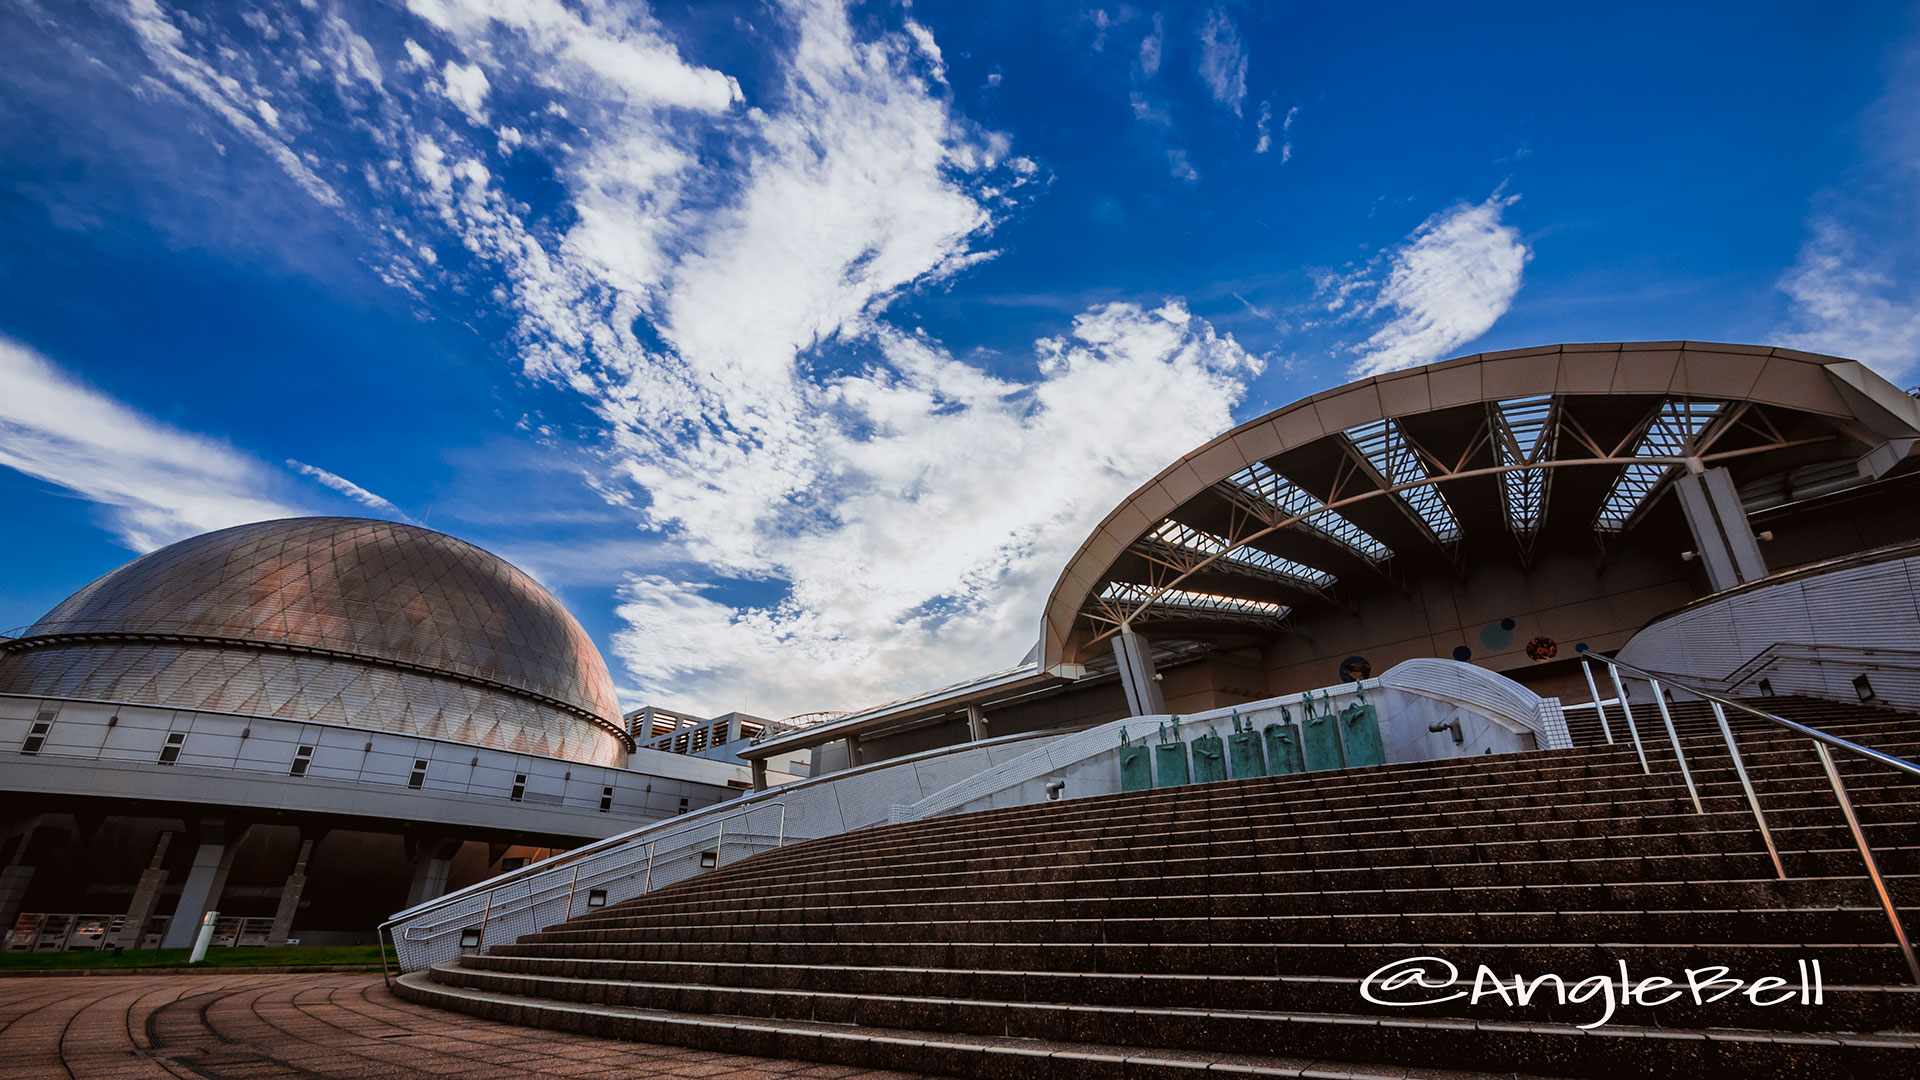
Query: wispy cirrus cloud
[
  {"x": 1444, "y": 286},
  {"x": 1223, "y": 60},
  {"x": 1854, "y": 290},
  {"x": 838, "y": 510},
  {"x": 346, "y": 487},
  {"x": 154, "y": 483}
]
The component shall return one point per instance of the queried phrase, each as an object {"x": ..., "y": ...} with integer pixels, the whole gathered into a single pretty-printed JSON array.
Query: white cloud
[
  {"x": 348, "y": 488},
  {"x": 1855, "y": 288},
  {"x": 231, "y": 98},
  {"x": 155, "y": 483},
  {"x": 466, "y": 86},
  {"x": 704, "y": 252},
  {"x": 1849, "y": 300},
  {"x": 1151, "y": 47},
  {"x": 1263, "y": 129},
  {"x": 953, "y": 510},
  {"x": 1223, "y": 60},
  {"x": 1448, "y": 284}
]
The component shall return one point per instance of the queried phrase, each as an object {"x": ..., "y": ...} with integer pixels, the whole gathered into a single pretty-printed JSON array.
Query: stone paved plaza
[{"x": 225, "y": 1027}]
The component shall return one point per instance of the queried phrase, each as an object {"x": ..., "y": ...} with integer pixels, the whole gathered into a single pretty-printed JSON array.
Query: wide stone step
[
  {"x": 1197, "y": 895},
  {"x": 1157, "y": 1043},
  {"x": 667, "y": 984},
  {"x": 1640, "y": 834},
  {"x": 1849, "y": 963}
]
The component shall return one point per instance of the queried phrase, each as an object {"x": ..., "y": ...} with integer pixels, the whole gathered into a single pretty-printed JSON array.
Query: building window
[
  {"x": 418, "y": 778},
  {"x": 519, "y": 787},
  {"x": 683, "y": 804},
  {"x": 170, "y": 753},
  {"x": 302, "y": 758},
  {"x": 36, "y": 737},
  {"x": 606, "y": 799}
]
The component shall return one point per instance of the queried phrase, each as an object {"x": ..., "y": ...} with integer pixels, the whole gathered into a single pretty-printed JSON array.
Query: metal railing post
[
  {"x": 1627, "y": 711},
  {"x": 781, "y": 841},
  {"x": 1866, "y": 855},
  {"x": 571, "y": 886},
  {"x": 1679, "y": 754},
  {"x": 1753, "y": 799},
  {"x": 719, "y": 841},
  {"x": 1586, "y": 668},
  {"x": 485, "y": 914},
  {"x": 648, "y": 887}
]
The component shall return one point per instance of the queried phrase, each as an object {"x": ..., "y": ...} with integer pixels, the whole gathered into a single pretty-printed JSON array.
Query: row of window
[{"x": 302, "y": 760}]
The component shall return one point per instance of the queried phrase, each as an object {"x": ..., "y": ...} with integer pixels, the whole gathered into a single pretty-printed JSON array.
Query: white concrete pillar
[
  {"x": 1137, "y": 676},
  {"x": 16, "y": 877},
  {"x": 1721, "y": 534},
  {"x": 206, "y": 880},
  {"x": 296, "y": 884},
  {"x": 432, "y": 862},
  {"x": 976, "y": 723},
  {"x": 146, "y": 896}
]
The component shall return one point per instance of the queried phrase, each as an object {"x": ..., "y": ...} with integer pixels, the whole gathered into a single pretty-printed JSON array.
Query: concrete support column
[
  {"x": 432, "y": 862},
  {"x": 1137, "y": 676},
  {"x": 146, "y": 896},
  {"x": 855, "y": 758},
  {"x": 976, "y": 723},
  {"x": 1721, "y": 533},
  {"x": 759, "y": 774},
  {"x": 219, "y": 841},
  {"x": 290, "y": 894},
  {"x": 14, "y": 880}
]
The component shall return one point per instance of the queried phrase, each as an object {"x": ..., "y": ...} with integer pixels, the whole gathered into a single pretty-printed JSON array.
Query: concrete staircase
[{"x": 1229, "y": 927}]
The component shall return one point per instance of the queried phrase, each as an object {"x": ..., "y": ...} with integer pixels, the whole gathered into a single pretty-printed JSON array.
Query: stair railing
[{"x": 1822, "y": 741}]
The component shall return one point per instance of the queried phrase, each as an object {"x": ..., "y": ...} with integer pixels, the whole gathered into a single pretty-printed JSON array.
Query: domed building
[
  {"x": 371, "y": 624},
  {"x": 302, "y": 724}
]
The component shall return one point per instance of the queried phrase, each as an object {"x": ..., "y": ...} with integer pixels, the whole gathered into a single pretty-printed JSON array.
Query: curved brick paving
[{"x": 264, "y": 1027}]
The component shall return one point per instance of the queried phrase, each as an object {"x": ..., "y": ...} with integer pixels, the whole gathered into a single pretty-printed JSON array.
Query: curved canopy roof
[{"x": 1530, "y": 449}]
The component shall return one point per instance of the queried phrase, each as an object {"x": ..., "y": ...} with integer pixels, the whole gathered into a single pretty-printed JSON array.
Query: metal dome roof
[{"x": 443, "y": 638}]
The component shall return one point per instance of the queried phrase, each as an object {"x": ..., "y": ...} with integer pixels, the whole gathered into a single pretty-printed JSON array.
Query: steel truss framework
[{"x": 1528, "y": 439}]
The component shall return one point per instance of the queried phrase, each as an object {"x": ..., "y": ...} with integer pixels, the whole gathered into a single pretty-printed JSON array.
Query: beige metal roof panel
[
  {"x": 1298, "y": 426},
  {"x": 1798, "y": 385},
  {"x": 1404, "y": 393},
  {"x": 1216, "y": 460},
  {"x": 1257, "y": 443},
  {"x": 1160, "y": 497},
  {"x": 1730, "y": 347},
  {"x": 1129, "y": 521},
  {"x": 1520, "y": 376},
  {"x": 1649, "y": 372},
  {"x": 1704, "y": 373},
  {"x": 1585, "y": 373},
  {"x": 1455, "y": 385},
  {"x": 1349, "y": 408},
  {"x": 1517, "y": 354},
  {"x": 1104, "y": 548}
]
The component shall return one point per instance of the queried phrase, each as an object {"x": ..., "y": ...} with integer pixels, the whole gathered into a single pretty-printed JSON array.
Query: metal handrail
[
  {"x": 1821, "y": 741},
  {"x": 683, "y": 826}
]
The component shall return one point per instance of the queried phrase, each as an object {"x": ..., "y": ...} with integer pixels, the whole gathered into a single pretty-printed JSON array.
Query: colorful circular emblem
[{"x": 1542, "y": 648}]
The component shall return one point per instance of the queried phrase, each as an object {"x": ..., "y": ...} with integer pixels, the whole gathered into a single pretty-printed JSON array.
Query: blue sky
[{"x": 797, "y": 345}]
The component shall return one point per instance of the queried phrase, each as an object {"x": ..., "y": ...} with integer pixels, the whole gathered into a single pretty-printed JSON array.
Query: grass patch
[{"x": 366, "y": 956}]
